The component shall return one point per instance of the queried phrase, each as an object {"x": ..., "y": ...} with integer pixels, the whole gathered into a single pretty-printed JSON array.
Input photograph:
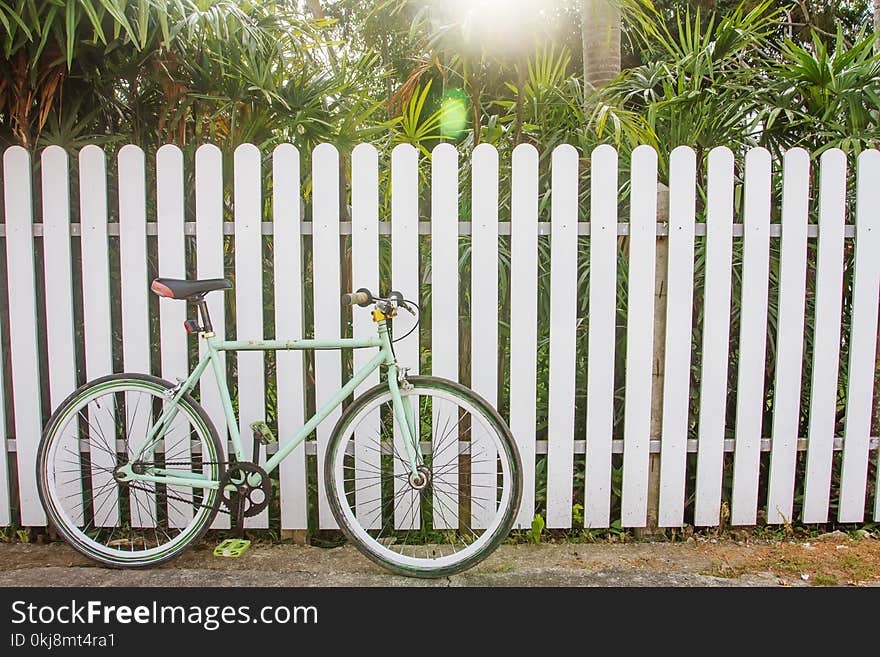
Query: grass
[
  {"x": 723, "y": 569},
  {"x": 499, "y": 569},
  {"x": 826, "y": 562},
  {"x": 824, "y": 580}
]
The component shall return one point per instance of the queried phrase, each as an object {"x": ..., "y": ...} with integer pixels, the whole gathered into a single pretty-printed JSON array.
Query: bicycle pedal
[
  {"x": 263, "y": 433},
  {"x": 232, "y": 547}
]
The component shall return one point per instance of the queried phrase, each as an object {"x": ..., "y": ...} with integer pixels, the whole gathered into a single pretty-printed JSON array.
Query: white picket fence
[{"x": 60, "y": 232}]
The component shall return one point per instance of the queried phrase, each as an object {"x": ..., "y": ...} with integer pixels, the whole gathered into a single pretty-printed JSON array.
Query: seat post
[{"x": 207, "y": 327}]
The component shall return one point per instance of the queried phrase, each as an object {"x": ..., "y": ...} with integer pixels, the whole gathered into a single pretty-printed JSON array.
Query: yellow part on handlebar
[{"x": 378, "y": 315}]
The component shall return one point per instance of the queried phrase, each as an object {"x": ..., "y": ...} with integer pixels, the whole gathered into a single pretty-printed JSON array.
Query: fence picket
[
  {"x": 5, "y": 488},
  {"x": 523, "y": 317},
  {"x": 96, "y": 324},
  {"x": 716, "y": 334},
  {"x": 209, "y": 264},
  {"x": 563, "y": 324},
  {"x": 249, "y": 299},
  {"x": 289, "y": 324},
  {"x": 325, "y": 259},
  {"x": 639, "y": 336},
  {"x": 602, "y": 335},
  {"x": 863, "y": 341},
  {"x": 172, "y": 313},
  {"x": 789, "y": 336},
  {"x": 135, "y": 309},
  {"x": 752, "y": 337},
  {"x": 444, "y": 318},
  {"x": 484, "y": 311},
  {"x": 25, "y": 370},
  {"x": 679, "y": 318},
  {"x": 133, "y": 260},
  {"x": 59, "y": 286},
  {"x": 365, "y": 273},
  {"x": 59, "y": 296},
  {"x": 405, "y": 279},
  {"x": 826, "y": 339}
]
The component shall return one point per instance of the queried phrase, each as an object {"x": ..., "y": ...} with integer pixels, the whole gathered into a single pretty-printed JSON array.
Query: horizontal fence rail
[
  {"x": 579, "y": 446},
  {"x": 546, "y": 292},
  {"x": 424, "y": 228}
]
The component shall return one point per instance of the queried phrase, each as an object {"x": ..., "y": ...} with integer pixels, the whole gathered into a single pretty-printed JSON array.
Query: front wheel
[{"x": 457, "y": 509}]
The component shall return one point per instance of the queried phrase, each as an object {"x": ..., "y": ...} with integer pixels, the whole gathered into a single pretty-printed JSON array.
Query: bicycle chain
[
  {"x": 221, "y": 507},
  {"x": 172, "y": 496}
]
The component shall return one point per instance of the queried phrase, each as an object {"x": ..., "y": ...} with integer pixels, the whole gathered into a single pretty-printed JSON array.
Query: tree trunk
[
  {"x": 600, "y": 31},
  {"x": 877, "y": 26},
  {"x": 318, "y": 12},
  {"x": 521, "y": 67},
  {"x": 476, "y": 114},
  {"x": 316, "y": 9}
]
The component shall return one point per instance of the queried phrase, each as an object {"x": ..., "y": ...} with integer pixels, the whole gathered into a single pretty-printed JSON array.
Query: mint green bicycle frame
[{"x": 384, "y": 357}]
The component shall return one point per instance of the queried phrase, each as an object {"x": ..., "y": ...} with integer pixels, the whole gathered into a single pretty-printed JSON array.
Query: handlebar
[{"x": 363, "y": 297}]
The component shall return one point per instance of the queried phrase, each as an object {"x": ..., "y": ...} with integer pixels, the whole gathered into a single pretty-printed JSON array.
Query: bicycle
[{"x": 422, "y": 474}]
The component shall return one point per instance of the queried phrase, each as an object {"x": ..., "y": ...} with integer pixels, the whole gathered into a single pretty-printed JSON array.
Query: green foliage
[
  {"x": 825, "y": 96},
  {"x": 412, "y": 128},
  {"x": 695, "y": 89},
  {"x": 537, "y": 529},
  {"x": 187, "y": 71},
  {"x": 731, "y": 79}
]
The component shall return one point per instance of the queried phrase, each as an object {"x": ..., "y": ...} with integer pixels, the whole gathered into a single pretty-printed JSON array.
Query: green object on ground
[{"x": 232, "y": 547}]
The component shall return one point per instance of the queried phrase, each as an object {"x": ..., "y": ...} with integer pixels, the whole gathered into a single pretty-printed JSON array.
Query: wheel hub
[
  {"x": 122, "y": 473},
  {"x": 421, "y": 480}
]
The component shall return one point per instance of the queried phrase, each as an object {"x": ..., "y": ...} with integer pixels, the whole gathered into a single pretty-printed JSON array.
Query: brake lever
[{"x": 401, "y": 302}]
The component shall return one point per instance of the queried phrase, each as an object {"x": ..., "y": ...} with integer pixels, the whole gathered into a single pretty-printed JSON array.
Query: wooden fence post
[{"x": 652, "y": 528}]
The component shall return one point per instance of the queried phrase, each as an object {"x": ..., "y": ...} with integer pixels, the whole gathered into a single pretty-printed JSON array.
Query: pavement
[{"x": 696, "y": 563}]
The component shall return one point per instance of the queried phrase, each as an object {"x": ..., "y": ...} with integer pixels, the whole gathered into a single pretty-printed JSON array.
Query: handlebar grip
[{"x": 363, "y": 297}]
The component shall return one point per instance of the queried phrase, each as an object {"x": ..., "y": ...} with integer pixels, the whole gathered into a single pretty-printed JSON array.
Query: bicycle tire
[{"x": 343, "y": 493}]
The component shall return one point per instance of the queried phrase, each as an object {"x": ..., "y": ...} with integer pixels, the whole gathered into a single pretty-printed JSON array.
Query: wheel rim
[
  {"x": 398, "y": 518},
  {"x": 114, "y": 521}
]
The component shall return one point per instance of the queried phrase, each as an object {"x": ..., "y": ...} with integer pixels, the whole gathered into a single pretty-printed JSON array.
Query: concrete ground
[{"x": 835, "y": 559}]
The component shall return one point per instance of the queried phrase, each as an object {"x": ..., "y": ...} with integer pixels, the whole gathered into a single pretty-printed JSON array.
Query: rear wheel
[
  {"x": 457, "y": 509},
  {"x": 100, "y": 427}
]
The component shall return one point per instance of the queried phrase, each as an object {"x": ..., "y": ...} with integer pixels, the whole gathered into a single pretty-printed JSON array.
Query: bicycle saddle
[{"x": 176, "y": 288}]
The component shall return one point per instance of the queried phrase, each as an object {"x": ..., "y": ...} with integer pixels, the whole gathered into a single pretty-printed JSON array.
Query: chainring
[{"x": 249, "y": 482}]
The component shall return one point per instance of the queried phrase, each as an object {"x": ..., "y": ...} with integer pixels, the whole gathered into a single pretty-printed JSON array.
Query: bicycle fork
[{"x": 403, "y": 411}]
